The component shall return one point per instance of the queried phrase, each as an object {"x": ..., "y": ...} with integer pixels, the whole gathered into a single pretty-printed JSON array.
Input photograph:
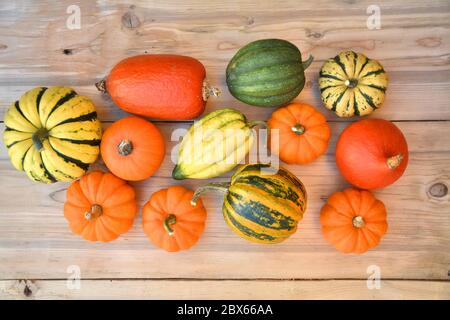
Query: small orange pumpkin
[
  {"x": 132, "y": 148},
  {"x": 100, "y": 206},
  {"x": 170, "y": 221},
  {"x": 353, "y": 220},
  {"x": 303, "y": 133}
]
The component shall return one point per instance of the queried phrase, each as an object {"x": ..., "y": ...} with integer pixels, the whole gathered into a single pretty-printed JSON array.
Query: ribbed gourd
[
  {"x": 267, "y": 73},
  {"x": 261, "y": 204},
  {"x": 215, "y": 144},
  {"x": 52, "y": 134},
  {"x": 352, "y": 84}
]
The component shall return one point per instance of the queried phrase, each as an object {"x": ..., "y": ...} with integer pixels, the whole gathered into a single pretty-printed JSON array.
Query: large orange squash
[
  {"x": 100, "y": 206},
  {"x": 159, "y": 86},
  {"x": 372, "y": 153}
]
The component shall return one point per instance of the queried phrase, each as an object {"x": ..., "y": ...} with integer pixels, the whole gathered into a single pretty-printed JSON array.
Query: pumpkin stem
[
  {"x": 308, "y": 62},
  {"x": 298, "y": 129},
  {"x": 213, "y": 186},
  {"x": 38, "y": 137},
  {"x": 358, "y": 222},
  {"x": 351, "y": 83},
  {"x": 95, "y": 212},
  {"x": 255, "y": 123},
  {"x": 170, "y": 220},
  {"x": 101, "y": 86},
  {"x": 394, "y": 162},
  {"x": 125, "y": 147},
  {"x": 208, "y": 91}
]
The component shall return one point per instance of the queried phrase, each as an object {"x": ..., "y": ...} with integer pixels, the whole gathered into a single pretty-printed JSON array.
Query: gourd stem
[
  {"x": 308, "y": 62},
  {"x": 125, "y": 147},
  {"x": 394, "y": 162},
  {"x": 101, "y": 86},
  {"x": 351, "y": 83},
  {"x": 38, "y": 138},
  {"x": 170, "y": 220},
  {"x": 213, "y": 186},
  {"x": 95, "y": 212},
  {"x": 358, "y": 222},
  {"x": 208, "y": 91},
  {"x": 298, "y": 129},
  {"x": 255, "y": 123}
]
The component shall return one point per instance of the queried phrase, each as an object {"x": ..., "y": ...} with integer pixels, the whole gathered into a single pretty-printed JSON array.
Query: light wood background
[{"x": 413, "y": 44}]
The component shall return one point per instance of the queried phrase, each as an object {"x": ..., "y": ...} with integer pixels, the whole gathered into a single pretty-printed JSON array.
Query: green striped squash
[
  {"x": 267, "y": 73},
  {"x": 352, "y": 84},
  {"x": 52, "y": 134},
  {"x": 261, "y": 204}
]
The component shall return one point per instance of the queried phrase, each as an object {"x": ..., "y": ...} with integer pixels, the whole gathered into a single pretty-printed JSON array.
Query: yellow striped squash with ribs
[
  {"x": 352, "y": 84},
  {"x": 261, "y": 204},
  {"x": 52, "y": 134}
]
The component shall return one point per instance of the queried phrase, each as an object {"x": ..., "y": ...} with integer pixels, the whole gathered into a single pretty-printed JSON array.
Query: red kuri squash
[
  {"x": 372, "y": 153},
  {"x": 162, "y": 86}
]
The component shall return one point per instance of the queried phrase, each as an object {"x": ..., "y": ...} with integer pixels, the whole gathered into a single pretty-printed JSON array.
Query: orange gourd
[
  {"x": 303, "y": 133},
  {"x": 353, "y": 220},
  {"x": 163, "y": 86},
  {"x": 100, "y": 206},
  {"x": 132, "y": 148},
  {"x": 372, "y": 153},
  {"x": 170, "y": 221}
]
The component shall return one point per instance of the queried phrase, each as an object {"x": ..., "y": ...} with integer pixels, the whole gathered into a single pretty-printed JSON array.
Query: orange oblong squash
[
  {"x": 303, "y": 133},
  {"x": 100, "y": 206},
  {"x": 353, "y": 220},
  {"x": 170, "y": 221}
]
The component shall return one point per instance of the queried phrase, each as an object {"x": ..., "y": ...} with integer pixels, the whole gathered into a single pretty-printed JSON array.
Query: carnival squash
[
  {"x": 170, "y": 221},
  {"x": 133, "y": 148},
  {"x": 261, "y": 204},
  {"x": 215, "y": 144},
  {"x": 159, "y": 86},
  {"x": 100, "y": 206},
  {"x": 372, "y": 153},
  {"x": 303, "y": 133},
  {"x": 52, "y": 134},
  {"x": 267, "y": 73},
  {"x": 353, "y": 220},
  {"x": 352, "y": 84}
]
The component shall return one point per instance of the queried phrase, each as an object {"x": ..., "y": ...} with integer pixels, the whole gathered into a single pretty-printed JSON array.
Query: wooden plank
[
  {"x": 210, "y": 289},
  {"x": 413, "y": 45},
  {"x": 35, "y": 242}
]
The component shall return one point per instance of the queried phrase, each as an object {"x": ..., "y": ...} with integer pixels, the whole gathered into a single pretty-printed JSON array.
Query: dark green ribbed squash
[{"x": 267, "y": 73}]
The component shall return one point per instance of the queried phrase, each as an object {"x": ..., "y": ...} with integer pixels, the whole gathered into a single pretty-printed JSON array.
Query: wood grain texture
[
  {"x": 226, "y": 289},
  {"x": 413, "y": 44}
]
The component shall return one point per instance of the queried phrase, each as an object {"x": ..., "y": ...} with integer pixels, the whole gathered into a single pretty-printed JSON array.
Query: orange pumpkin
[
  {"x": 100, "y": 206},
  {"x": 170, "y": 221},
  {"x": 303, "y": 133},
  {"x": 372, "y": 153},
  {"x": 132, "y": 148},
  {"x": 353, "y": 220}
]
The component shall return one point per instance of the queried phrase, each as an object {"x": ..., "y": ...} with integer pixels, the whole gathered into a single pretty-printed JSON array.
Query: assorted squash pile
[{"x": 53, "y": 134}]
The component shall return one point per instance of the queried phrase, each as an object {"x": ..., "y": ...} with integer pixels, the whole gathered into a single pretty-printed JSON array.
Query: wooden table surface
[{"x": 37, "y": 250}]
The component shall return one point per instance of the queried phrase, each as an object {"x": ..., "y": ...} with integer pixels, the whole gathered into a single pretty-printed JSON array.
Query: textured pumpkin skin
[
  {"x": 203, "y": 153},
  {"x": 263, "y": 204},
  {"x": 52, "y": 134},
  {"x": 352, "y": 84},
  {"x": 188, "y": 225},
  {"x": 146, "y": 153},
  {"x": 339, "y": 221},
  {"x": 303, "y": 133},
  {"x": 158, "y": 86},
  {"x": 116, "y": 199},
  {"x": 367, "y": 151},
  {"x": 266, "y": 73}
]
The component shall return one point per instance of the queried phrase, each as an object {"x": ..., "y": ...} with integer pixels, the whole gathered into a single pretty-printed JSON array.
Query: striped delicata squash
[
  {"x": 52, "y": 134},
  {"x": 352, "y": 84},
  {"x": 261, "y": 204}
]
